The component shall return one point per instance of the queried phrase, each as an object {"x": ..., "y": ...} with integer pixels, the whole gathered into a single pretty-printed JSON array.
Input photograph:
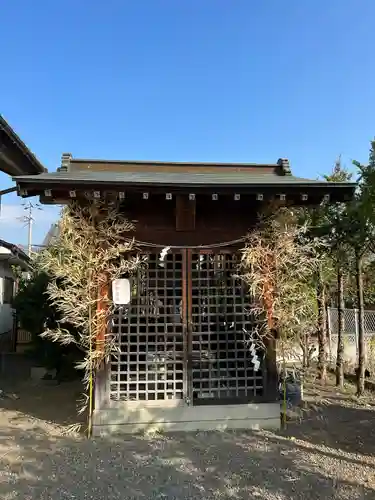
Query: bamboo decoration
[
  {"x": 90, "y": 251},
  {"x": 279, "y": 265}
]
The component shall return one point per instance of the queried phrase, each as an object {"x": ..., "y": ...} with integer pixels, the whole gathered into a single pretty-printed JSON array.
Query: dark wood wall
[{"x": 183, "y": 222}]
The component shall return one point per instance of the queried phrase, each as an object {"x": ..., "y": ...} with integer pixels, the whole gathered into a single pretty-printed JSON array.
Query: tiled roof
[
  {"x": 15, "y": 250},
  {"x": 183, "y": 178}
]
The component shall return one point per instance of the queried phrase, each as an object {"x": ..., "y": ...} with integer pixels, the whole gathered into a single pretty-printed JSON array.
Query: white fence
[{"x": 350, "y": 332}]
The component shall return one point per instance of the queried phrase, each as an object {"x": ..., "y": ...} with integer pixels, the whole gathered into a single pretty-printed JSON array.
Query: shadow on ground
[
  {"x": 327, "y": 456},
  {"x": 38, "y": 464},
  {"x": 58, "y": 404},
  {"x": 349, "y": 429},
  {"x": 205, "y": 466}
]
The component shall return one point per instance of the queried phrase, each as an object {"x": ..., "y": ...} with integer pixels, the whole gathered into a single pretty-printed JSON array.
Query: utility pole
[
  {"x": 30, "y": 232},
  {"x": 28, "y": 219}
]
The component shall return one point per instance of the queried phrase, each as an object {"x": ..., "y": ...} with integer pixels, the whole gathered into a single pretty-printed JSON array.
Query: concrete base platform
[{"x": 140, "y": 416}]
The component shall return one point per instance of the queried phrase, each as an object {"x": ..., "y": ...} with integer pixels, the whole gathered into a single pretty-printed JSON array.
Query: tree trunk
[
  {"x": 328, "y": 328},
  {"x": 361, "y": 336},
  {"x": 305, "y": 352},
  {"x": 340, "y": 330},
  {"x": 322, "y": 333}
]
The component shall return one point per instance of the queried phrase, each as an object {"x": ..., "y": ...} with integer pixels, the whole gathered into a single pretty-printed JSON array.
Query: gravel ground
[{"x": 327, "y": 455}]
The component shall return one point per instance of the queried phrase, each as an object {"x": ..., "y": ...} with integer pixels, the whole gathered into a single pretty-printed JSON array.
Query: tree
[
  {"x": 340, "y": 324},
  {"x": 35, "y": 313},
  {"x": 322, "y": 325},
  {"x": 324, "y": 222},
  {"x": 368, "y": 277},
  {"x": 334, "y": 228},
  {"x": 33, "y": 310},
  {"x": 361, "y": 216},
  {"x": 315, "y": 217}
]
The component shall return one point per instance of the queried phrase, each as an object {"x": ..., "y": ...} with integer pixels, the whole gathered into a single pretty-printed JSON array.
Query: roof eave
[
  {"x": 34, "y": 180},
  {"x": 16, "y": 252},
  {"x": 26, "y": 163}
]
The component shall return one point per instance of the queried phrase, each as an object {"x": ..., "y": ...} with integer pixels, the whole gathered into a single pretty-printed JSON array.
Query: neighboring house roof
[
  {"x": 15, "y": 157},
  {"x": 14, "y": 254},
  {"x": 34, "y": 248}
]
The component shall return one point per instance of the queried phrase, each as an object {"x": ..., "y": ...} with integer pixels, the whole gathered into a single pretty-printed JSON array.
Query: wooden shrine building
[{"x": 185, "y": 361}]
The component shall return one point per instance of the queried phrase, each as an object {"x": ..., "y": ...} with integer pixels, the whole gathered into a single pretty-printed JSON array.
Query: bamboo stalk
[{"x": 91, "y": 377}]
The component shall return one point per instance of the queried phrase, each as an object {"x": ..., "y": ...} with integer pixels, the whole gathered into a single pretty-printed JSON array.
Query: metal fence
[{"x": 351, "y": 317}]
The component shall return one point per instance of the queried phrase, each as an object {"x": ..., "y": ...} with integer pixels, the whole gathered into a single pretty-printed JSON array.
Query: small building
[
  {"x": 15, "y": 159},
  {"x": 184, "y": 360}
]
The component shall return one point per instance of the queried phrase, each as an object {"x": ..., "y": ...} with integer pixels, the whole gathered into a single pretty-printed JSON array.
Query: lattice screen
[
  {"x": 150, "y": 364},
  {"x": 153, "y": 361},
  {"x": 222, "y": 366}
]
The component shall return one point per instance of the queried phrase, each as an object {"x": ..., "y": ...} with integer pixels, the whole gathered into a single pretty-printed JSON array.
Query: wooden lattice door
[
  {"x": 186, "y": 336},
  {"x": 150, "y": 365},
  {"x": 225, "y": 364}
]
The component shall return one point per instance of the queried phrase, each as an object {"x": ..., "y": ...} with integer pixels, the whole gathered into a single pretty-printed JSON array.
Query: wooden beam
[{"x": 185, "y": 213}]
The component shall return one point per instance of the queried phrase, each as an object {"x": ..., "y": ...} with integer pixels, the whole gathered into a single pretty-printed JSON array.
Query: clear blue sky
[{"x": 201, "y": 80}]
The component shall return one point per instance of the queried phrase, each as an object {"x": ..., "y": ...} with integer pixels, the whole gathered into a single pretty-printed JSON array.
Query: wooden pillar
[
  {"x": 189, "y": 323},
  {"x": 101, "y": 369},
  {"x": 102, "y": 313},
  {"x": 271, "y": 387},
  {"x": 102, "y": 388}
]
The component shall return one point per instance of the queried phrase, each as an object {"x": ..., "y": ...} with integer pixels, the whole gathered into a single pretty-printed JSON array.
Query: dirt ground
[{"x": 328, "y": 454}]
